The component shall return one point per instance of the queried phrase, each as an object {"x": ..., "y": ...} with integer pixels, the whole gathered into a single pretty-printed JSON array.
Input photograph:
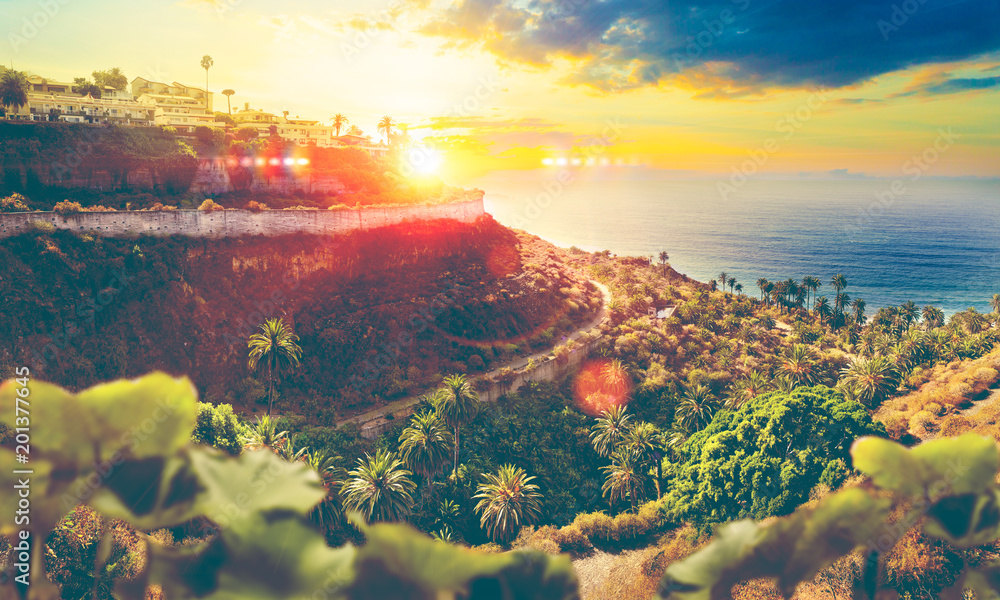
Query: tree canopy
[{"x": 764, "y": 458}]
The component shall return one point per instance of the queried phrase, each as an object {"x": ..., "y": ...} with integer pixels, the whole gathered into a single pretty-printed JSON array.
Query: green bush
[
  {"x": 763, "y": 459},
  {"x": 219, "y": 427}
]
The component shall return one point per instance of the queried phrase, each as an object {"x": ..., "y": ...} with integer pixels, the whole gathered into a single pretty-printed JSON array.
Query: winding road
[{"x": 378, "y": 414}]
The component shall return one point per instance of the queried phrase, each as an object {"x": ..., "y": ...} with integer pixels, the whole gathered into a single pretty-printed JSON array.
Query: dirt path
[
  {"x": 404, "y": 403},
  {"x": 971, "y": 412}
]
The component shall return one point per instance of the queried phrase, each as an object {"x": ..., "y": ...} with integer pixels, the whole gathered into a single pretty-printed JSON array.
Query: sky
[{"x": 502, "y": 88}]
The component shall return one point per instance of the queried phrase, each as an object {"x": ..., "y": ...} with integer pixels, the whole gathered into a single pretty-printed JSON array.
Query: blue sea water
[{"x": 936, "y": 243}]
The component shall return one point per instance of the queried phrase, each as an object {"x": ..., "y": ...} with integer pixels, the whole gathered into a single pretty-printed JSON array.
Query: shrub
[
  {"x": 99, "y": 208},
  {"x": 41, "y": 226},
  {"x": 210, "y": 205},
  {"x": 954, "y": 425},
  {"x": 67, "y": 207},
  {"x": 14, "y": 203},
  {"x": 256, "y": 207},
  {"x": 218, "y": 426}
]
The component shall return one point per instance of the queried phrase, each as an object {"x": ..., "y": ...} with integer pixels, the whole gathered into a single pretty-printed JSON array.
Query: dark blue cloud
[{"x": 750, "y": 43}]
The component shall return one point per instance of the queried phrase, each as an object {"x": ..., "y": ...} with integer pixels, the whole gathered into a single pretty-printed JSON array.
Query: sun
[{"x": 425, "y": 161}]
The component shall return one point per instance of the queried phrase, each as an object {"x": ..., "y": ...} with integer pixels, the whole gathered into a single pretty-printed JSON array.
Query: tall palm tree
[
  {"x": 13, "y": 90},
  {"x": 739, "y": 289},
  {"x": 909, "y": 313},
  {"x": 276, "y": 346},
  {"x": 800, "y": 365},
  {"x": 871, "y": 379},
  {"x": 611, "y": 428},
  {"x": 723, "y": 278},
  {"x": 228, "y": 93},
  {"x": 696, "y": 408},
  {"x": 664, "y": 257},
  {"x": 206, "y": 63},
  {"x": 812, "y": 284},
  {"x": 839, "y": 282},
  {"x": 507, "y": 501},
  {"x": 385, "y": 126},
  {"x": 425, "y": 443},
  {"x": 379, "y": 487},
  {"x": 822, "y": 308},
  {"x": 339, "y": 121},
  {"x": 457, "y": 403},
  {"x": 645, "y": 442},
  {"x": 762, "y": 285},
  {"x": 622, "y": 478},
  {"x": 732, "y": 284},
  {"x": 859, "y": 310}
]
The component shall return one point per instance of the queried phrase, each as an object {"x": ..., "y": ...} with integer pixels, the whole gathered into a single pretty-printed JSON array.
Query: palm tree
[
  {"x": 329, "y": 510},
  {"x": 995, "y": 303},
  {"x": 696, "y": 408},
  {"x": 800, "y": 365},
  {"x": 762, "y": 285},
  {"x": 732, "y": 284},
  {"x": 385, "y": 126},
  {"x": 664, "y": 257},
  {"x": 507, "y": 501},
  {"x": 909, "y": 313},
  {"x": 228, "y": 93},
  {"x": 206, "y": 63},
  {"x": 612, "y": 427},
  {"x": 457, "y": 403},
  {"x": 812, "y": 284},
  {"x": 380, "y": 488},
  {"x": 859, "y": 310},
  {"x": 746, "y": 389},
  {"x": 277, "y": 347},
  {"x": 264, "y": 434},
  {"x": 839, "y": 282},
  {"x": 423, "y": 445},
  {"x": 713, "y": 284},
  {"x": 739, "y": 289},
  {"x": 622, "y": 477},
  {"x": 822, "y": 308},
  {"x": 723, "y": 278},
  {"x": 933, "y": 317},
  {"x": 355, "y": 130},
  {"x": 870, "y": 379},
  {"x": 339, "y": 121},
  {"x": 13, "y": 90},
  {"x": 615, "y": 379},
  {"x": 645, "y": 442}
]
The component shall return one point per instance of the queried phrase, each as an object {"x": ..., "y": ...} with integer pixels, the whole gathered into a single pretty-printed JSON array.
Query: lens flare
[{"x": 601, "y": 384}]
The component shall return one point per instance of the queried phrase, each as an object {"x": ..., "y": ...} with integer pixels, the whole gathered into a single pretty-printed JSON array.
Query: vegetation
[
  {"x": 125, "y": 537},
  {"x": 276, "y": 348}
]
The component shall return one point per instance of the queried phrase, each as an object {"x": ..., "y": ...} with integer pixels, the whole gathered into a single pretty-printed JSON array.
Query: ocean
[{"x": 931, "y": 241}]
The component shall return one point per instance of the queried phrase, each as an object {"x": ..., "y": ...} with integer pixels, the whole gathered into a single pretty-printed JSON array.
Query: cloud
[{"x": 750, "y": 45}]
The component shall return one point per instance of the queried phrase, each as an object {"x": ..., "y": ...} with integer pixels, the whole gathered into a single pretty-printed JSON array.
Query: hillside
[{"x": 380, "y": 314}]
